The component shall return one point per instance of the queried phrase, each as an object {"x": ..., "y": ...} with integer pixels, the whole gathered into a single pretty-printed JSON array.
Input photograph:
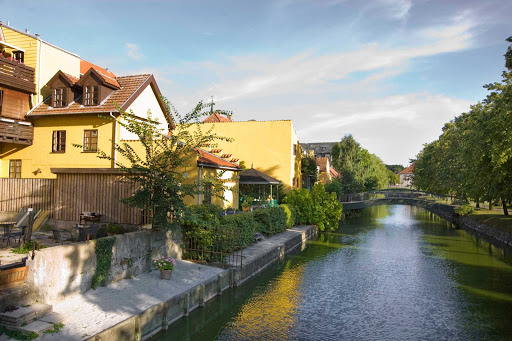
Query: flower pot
[{"x": 165, "y": 274}]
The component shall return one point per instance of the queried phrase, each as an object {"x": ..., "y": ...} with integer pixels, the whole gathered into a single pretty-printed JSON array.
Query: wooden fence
[
  {"x": 72, "y": 193},
  {"x": 19, "y": 193}
]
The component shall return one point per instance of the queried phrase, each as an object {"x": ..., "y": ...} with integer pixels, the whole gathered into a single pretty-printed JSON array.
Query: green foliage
[
  {"x": 473, "y": 156},
  {"x": 25, "y": 248},
  {"x": 464, "y": 210},
  {"x": 245, "y": 224},
  {"x": 272, "y": 220},
  {"x": 19, "y": 335},
  {"x": 290, "y": 213},
  {"x": 204, "y": 216},
  {"x": 335, "y": 186},
  {"x": 159, "y": 185},
  {"x": 359, "y": 169},
  {"x": 328, "y": 209},
  {"x": 395, "y": 168},
  {"x": 318, "y": 207},
  {"x": 308, "y": 166},
  {"x": 103, "y": 260},
  {"x": 115, "y": 229},
  {"x": 57, "y": 327},
  {"x": 300, "y": 199}
]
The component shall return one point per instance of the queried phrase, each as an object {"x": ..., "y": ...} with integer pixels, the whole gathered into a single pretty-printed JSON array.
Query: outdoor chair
[
  {"x": 92, "y": 231},
  {"x": 18, "y": 230}
]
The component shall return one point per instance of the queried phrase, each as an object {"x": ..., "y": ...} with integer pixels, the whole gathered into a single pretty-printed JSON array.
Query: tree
[
  {"x": 154, "y": 165},
  {"x": 308, "y": 166}
]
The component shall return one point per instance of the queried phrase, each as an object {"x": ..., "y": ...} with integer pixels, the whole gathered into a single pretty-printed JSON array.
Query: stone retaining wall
[{"x": 60, "y": 272}]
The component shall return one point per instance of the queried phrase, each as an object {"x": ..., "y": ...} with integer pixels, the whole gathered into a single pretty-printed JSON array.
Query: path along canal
[{"x": 394, "y": 273}]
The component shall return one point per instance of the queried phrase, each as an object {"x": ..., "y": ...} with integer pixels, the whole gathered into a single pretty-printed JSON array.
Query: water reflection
[{"x": 393, "y": 273}]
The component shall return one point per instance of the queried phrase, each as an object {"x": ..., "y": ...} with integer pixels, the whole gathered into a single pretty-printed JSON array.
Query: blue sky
[{"x": 390, "y": 72}]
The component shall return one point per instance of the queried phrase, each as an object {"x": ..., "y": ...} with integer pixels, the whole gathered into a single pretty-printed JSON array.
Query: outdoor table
[
  {"x": 8, "y": 226},
  {"x": 89, "y": 218}
]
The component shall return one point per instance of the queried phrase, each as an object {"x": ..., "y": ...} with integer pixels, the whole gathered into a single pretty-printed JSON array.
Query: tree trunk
[
  {"x": 477, "y": 202},
  {"x": 27, "y": 237},
  {"x": 504, "y": 203},
  {"x": 490, "y": 205}
]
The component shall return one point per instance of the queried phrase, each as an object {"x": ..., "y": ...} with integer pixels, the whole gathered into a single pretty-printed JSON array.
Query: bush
[
  {"x": 464, "y": 210},
  {"x": 318, "y": 207},
  {"x": 115, "y": 229},
  {"x": 301, "y": 201},
  {"x": 290, "y": 213},
  {"x": 272, "y": 220},
  {"x": 25, "y": 248},
  {"x": 245, "y": 223},
  {"x": 205, "y": 215}
]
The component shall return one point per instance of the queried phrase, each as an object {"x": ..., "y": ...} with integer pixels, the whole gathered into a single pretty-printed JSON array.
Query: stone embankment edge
[
  {"x": 447, "y": 212},
  {"x": 151, "y": 321}
]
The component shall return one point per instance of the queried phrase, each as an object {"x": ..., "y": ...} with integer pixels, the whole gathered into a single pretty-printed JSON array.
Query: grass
[
  {"x": 57, "y": 327},
  {"x": 16, "y": 334},
  {"x": 26, "y": 248},
  {"x": 493, "y": 218}
]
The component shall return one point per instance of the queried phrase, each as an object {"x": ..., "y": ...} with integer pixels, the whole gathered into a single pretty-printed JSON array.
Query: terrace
[{"x": 16, "y": 75}]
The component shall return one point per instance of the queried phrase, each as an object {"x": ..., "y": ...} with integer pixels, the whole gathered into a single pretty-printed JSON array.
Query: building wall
[
  {"x": 52, "y": 58},
  {"x": 266, "y": 145},
  {"x": 38, "y": 158},
  {"x": 147, "y": 101}
]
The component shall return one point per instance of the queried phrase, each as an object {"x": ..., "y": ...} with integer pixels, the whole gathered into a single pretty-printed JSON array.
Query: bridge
[{"x": 356, "y": 201}]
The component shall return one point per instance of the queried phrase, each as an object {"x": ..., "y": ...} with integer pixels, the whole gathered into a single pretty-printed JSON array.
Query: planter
[{"x": 165, "y": 274}]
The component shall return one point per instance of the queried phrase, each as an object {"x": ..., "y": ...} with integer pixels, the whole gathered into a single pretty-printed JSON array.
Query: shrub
[
  {"x": 245, "y": 223},
  {"x": 272, "y": 220},
  {"x": 302, "y": 202},
  {"x": 464, "y": 210},
  {"x": 327, "y": 208},
  {"x": 115, "y": 229},
  {"x": 290, "y": 213},
  {"x": 25, "y": 248},
  {"x": 205, "y": 215}
]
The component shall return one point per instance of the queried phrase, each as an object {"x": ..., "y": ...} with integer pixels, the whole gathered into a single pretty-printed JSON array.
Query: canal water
[{"x": 394, "y": 273}]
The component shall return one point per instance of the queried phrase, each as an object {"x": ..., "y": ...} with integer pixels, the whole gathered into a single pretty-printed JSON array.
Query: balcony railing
[
  {"x": 17, "y": 132},
  {"x": 16, "y": 75}
]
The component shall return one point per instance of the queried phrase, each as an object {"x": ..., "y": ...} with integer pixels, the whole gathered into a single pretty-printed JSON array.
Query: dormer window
[
  {"x": 91, "y": 95},
  {"x": 59, "y": 97}
]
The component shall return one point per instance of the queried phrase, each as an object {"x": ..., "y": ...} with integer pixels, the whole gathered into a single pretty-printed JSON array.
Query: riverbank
[
  {"x": 138, "y": 308},
  {"x": 492, "y": 234}
]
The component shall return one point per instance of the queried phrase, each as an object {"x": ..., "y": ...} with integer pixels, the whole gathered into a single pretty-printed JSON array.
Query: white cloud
[{"x": 133, "y": 51}]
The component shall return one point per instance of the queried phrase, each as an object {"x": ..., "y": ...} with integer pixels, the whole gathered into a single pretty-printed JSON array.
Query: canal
[{"x": 393, "y": 273}]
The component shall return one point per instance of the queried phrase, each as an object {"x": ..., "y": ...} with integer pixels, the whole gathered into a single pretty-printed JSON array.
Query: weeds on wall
[{"x": 103, "y": 260}]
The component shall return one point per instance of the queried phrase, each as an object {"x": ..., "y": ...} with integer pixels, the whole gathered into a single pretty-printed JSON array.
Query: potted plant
[
  {"x": 247, "y": 204},
  {"x": 165, "y": 265}
]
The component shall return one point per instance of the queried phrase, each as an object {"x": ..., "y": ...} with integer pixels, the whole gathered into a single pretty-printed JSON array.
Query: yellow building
[
  {"x": 272, "y": 147},
  {"x": 45, "y": 58}
]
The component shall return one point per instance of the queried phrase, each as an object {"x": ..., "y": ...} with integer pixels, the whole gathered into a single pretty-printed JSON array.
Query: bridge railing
[{"x": 397, "y": 193}]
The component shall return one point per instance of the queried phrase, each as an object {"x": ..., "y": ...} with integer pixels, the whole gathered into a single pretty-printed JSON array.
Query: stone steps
[{"x": 24, "y": 315}]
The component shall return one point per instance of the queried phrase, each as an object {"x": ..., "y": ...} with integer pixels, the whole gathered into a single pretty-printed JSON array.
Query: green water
[{"x": 394, "y": 273}]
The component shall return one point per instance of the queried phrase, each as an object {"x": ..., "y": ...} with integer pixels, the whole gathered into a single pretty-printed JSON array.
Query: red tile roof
[
  {"x": 129, "y": 86},
  {"x": 213, "y": 160},
  {"x": 107, "y": 76},
  {"x": 216, "y": 117},
  {"x": 73, "y": 79},
  {"x": 333, "y": 172},
  {"x": 408, "y": 170},
  {"x": 322, "y": 163}
]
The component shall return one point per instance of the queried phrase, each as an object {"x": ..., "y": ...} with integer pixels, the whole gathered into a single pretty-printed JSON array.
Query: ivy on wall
[{"x": 103, "y": 260}]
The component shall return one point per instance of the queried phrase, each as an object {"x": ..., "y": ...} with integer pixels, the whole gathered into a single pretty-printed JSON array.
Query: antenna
[{"x": 211, "y": 107}]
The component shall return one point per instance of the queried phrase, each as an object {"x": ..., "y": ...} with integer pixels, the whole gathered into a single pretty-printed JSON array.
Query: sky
[{"x": 389, "y": 72}]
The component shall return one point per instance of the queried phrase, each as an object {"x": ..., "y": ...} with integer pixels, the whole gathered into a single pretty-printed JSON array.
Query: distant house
[
  {"x": 319, "y": 149},
  {"x": 407, "y": 176},
  {"x": 217, "y": 117}
]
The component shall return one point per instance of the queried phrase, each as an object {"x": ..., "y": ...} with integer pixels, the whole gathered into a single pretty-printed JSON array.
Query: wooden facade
[
  {"x": 16, "y": 75},
  {"x": 16, "y": 194},
  {"x": 73, "y": 193},
  {"x": 12, "y": 131}
]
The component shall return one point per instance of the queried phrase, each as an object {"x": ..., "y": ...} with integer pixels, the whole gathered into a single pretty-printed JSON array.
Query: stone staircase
[{"x": 37, "y": 317}]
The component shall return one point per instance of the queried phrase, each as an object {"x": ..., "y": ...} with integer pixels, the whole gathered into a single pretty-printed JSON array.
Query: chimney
[
  {"x": 37, "y": 35},
  {"x": 27, "y": 31}
]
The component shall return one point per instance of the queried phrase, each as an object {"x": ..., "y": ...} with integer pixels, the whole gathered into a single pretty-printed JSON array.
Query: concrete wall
[{"x": 61, "y": 272}]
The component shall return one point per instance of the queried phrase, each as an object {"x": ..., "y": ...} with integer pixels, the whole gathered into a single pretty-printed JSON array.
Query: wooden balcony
[
  {"x": 12, "y": 131},
  {"x": 16, "y": 75}
]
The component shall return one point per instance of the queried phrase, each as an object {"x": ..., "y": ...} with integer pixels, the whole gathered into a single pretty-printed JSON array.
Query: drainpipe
[
  {"x": 114, "y": 141},
  {"x": 199, "y": 180},
  {"x": 39, "y": 66}
]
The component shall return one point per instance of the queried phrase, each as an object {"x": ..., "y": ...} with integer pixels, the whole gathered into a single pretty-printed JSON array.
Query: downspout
[
  {"x": 114, "y": 141},
  {"x": 199, "y": 180},
  {"x": 39, "y": 66}
]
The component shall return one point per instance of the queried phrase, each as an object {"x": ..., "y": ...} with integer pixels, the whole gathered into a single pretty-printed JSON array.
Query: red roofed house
[
  {"x": 217, "y": 117},
  {"x": 325, "y": 171},
  {"x": 407, "y": 176}
]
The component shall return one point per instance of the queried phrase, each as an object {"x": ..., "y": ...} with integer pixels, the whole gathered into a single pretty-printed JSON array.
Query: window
[
  {"x": 59, "y": 141},
  {"x": 19, "y": 56},
  {"x": 294, "y": 149},
  {"x": 15, "y": 169},
  {"x": 59, "y": 97},
  {"x": 1, "y": 100},
  {"x": 90, "y": 140},
  {"x": 91, "y": 95}
]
